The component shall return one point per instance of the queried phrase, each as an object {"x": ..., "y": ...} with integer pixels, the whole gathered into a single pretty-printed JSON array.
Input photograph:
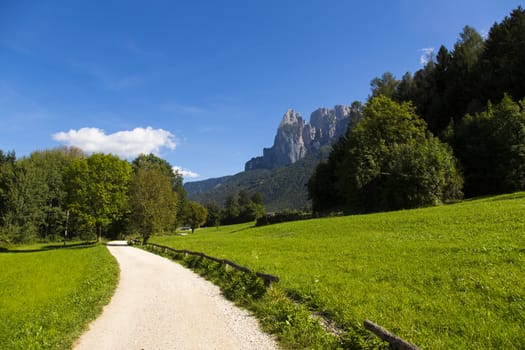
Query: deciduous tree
[
  {"x": 98, "y": 190},
  {"x": 153, "y": 202},
  {"x": 195, "y": 215},
  {"x": 491, "y": 147}
]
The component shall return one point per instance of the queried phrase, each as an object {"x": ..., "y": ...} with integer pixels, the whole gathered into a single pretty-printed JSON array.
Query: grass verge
[
  {"x": 449, "y": 277},
  {"x": 50, "y": 293}
]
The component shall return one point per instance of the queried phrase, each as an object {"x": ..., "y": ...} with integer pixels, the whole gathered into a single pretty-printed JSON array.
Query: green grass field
[
  {"x": 48, "y": 296},
  {"x": 449, "y": 277}
]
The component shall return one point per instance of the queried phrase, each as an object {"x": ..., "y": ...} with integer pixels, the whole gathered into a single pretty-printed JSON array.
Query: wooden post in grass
[
  {"x": 65, "y": 232},
  {"x": 394, "y": 341}
]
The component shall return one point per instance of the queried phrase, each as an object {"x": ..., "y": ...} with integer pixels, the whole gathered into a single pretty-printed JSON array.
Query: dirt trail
[{"x": 159, "y": 304}]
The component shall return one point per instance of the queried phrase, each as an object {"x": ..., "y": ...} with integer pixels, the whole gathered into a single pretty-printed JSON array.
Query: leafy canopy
[{"x": 388, "y": 161}]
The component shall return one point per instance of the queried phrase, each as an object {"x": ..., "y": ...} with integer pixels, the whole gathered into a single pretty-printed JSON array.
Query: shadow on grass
[
  {"x": 244, "y": 229},
  {"x": 44, "y": 248}
]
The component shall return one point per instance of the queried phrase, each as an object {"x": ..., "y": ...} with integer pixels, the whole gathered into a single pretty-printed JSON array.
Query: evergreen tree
[{"x": 502, "y": 64}]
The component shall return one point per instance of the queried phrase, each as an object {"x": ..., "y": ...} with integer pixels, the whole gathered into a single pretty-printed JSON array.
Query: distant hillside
[
  {"x": 281, "y": 188},
  {"x": 198, "y": 187}
]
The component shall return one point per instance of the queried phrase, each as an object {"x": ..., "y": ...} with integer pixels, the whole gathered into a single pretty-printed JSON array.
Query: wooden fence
[
  {"x": 394, "y": 341},
  {"x": 268, "y": 279}
]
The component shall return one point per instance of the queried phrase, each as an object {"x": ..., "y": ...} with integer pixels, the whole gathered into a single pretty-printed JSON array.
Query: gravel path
[{"x": 159, "y": 304}]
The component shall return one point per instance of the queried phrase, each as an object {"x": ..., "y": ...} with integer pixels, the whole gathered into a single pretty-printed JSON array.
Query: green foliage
[
  {"x": 502, "y": 63},
  {"x": 491, "y": 147},
  {"x": 152, "y": 201},
  {"x": 214, "y": 214},
  {"x": 283, "y": 216},
  {"x": 282, "y": 188},
  {"x": 447, "y": 277},
  {"x": 98, "y": 190},
  {"x": 387, "y": 162},
  {"x": 196, "y": 215},
  {"x": 239, "y": 207},
  {"x": 50, "y": 294},
  {"x": 151, "y": 161},
  {"x": 322, "y": 184},
  {"x": 384, "y": 86},
  {"x": 33, "y": 195},
  {"x": 462, "y": 80},
  {"x": 37, "y": 191}
]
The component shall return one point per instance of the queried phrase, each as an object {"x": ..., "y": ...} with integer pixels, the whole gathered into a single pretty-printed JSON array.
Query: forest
[
  {"x": 63, "y": 191},
  {"x": 453, "y": 129}
]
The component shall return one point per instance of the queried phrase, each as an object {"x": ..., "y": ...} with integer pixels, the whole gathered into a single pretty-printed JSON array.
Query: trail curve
[{"x": 159, "y": 304}]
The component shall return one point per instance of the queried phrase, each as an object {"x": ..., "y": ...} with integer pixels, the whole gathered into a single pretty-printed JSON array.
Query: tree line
[
  {"x": 238, "y": 207},
  {"x": 454, "y": 128},
  {"x": 53, "y": 191}
]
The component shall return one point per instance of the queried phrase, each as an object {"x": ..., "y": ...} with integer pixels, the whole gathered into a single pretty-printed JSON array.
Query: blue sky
[{"x": 203, "y": 84}]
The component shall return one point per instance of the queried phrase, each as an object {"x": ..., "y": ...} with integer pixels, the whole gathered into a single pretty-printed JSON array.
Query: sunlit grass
[
  {"x": 449, "y": 277},
  {"x": 48, "y": 296}
]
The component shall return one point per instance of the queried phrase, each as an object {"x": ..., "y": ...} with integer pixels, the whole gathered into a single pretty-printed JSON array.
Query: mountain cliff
[
  {"x": 283, "y": 171},
  {"x": 296, "y": 139}
]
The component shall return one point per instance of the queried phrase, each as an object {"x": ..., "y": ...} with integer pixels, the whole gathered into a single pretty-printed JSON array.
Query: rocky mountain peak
[
  {"x": 295, "y": 138},
  {"x": 291, "y": 117}
]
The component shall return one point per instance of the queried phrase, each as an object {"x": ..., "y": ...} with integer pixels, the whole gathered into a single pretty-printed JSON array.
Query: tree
[
  {"x": 23, "y": 199},
  {"x": 405, "y": 88},
  {"x": 386, "y": 85},
  {"x": 322, "y": 184},
  {"x": 503, "y": 60},
  {"x": 257, "y": 198},
  {"x": 196, "y": 215},
  {"x": 50, "y": 165},
  {"x": 152, "y": 161},
  {"x": 245, "y": 207},
  {"x": 464, "y": 75},
  {"x": 7, "y": 164},
  {"x": 32, "y": 194},
  {"x": 153, "y": 202},
  {"x": 214, "y": 214},
  {"x": 97, "y": 190},
  {"x": 491, "y": 147},
  {"x": 231, "y": 210},
  {"x": 388, "y": 161}
]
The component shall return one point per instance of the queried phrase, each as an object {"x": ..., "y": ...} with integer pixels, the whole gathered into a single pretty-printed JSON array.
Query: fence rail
[
  {"x": 394, "y": 341},
  {"x": 268, "y": 279}
]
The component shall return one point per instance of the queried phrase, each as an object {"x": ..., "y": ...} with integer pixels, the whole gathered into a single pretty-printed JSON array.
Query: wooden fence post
[{"x": 394, "y": 341}]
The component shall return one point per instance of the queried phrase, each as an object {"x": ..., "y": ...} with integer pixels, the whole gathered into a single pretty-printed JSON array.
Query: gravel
[{"x": 159, "y": 304}]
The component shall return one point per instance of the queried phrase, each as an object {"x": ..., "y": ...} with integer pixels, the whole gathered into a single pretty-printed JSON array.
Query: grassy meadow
[
  {"x": 448, "y": 277},
  {"x": 49, "y": 294}
]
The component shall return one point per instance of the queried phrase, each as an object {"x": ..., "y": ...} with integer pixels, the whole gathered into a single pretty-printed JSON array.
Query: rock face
[{"x": 295, "y": 138}]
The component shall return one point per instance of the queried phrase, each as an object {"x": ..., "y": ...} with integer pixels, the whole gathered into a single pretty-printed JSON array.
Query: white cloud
[
  {"x": 122, "y": 143},
  {"x": 185, "y": 172},
  {"x": 426, "y": 55}
]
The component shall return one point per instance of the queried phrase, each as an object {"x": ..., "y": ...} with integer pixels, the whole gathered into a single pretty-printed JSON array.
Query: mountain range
[{"x": 282, "y": 172}]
